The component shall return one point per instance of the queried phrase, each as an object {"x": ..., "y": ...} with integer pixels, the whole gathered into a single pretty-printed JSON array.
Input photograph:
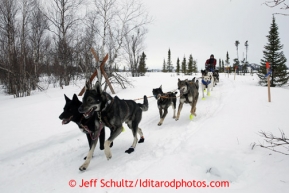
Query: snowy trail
[
  {"x": 61, "y": 153},
  {"x": 199, "y": 149}
]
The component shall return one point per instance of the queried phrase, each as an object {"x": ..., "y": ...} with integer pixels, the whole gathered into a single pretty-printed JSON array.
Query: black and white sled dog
[
  {"x": 216, "y": 76},
  {"x": 87, "y": 126},
  {"x": 112, "y": 112},
  {"x": 207, "y": 82},
  {"x": 189, "y": 93},
  {"x": 204, "y": 72},
  {"x": 164, "y": 101}
]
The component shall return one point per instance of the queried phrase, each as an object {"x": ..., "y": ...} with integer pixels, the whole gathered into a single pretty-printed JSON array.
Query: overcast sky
[{"x": 205, "y": 27}]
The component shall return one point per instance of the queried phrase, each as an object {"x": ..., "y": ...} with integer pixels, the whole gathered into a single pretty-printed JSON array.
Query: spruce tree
[
  {"x": 190, "y": 65},
  {"x": 274, "y": 55},
  {"x": 220, "y": 65},
  {"x": 228, "y": 61},
  {"x": 164, "y": 66},
  {"x": 169, "y": 62},
  {"x": 195, "y": 67},
  {"x": 178, "y": 67},
  {"x": 184, "y": 66},
  {"x": 142, "y": 65}
]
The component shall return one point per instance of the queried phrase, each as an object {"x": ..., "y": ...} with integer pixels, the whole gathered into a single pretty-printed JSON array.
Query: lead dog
[
  {"x": 189, "y": 93},
  {"x": 87, "y": 126},
  {"x": 112, "y": 112},
  {"x": 164, "y": 101}
]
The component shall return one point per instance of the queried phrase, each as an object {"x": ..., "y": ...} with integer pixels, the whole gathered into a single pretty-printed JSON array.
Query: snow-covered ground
[{"x": 38, "y": 154}]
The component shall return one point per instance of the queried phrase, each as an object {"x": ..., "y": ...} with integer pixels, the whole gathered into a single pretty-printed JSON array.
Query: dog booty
[
  {"x": 141, "y": 140},
  {"x": 130, "y": 150},
  {"x": 191, "y": 117}
]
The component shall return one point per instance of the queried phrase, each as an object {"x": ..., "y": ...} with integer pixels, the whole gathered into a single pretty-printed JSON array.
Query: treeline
[
  {"x": 186, "y": 67},
  {"x": 54, "y": 38}
]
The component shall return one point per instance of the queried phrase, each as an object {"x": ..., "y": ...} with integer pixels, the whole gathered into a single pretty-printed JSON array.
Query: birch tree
[
  {"x": 117, "y": 20},
  {"x": 133, "y": 47},
  {"x": 63, "y": 21},
  {"x": 39, "y": 41},
  {"x": 8, "y": 13}
]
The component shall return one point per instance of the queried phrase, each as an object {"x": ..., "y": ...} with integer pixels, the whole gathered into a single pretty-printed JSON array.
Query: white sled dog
[{"x": 207, "y": 83}]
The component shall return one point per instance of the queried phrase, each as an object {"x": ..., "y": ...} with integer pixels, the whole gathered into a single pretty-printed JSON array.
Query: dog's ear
[
  {"x": 179, "y": 80},
  {"x": 66, "y": 98},
  {"x": 75, "y": 98},
  {"x": 161, "y": 87},
  {"x": 194, "y": 79},
  {"x": 87, "y": 85}
]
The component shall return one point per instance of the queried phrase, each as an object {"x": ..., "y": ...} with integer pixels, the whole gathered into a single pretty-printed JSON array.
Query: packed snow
[{"x": 38, "y": 154}]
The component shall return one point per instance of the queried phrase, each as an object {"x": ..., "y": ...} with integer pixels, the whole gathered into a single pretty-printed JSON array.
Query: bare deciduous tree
[
  {"x": 8, "y": 12},
  {"x": 85, "y": 60},
  {"x": 24, "y": 86},
  {"x": 61, "y": 15},
  {"x": 133, "y": 46},
  {"x": 282, "y": 4},
  {"x": 237, "y": 45},
  {"x": 16, "y": 52},
  {"x": 118, "y": 19},
  {"x": 54, "y": 37},
  {"x": 39, "y": 42}
]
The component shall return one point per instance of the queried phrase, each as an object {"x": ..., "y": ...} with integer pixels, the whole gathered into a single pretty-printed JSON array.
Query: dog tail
[{"x": 145, "y": 105}]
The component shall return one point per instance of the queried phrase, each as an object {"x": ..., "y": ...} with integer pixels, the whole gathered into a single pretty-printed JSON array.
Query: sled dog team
[{"x": 99, "y": 109}]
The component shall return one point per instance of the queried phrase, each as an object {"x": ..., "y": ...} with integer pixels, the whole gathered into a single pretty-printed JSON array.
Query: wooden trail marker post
[
  {"x": 102, "y": 69},
  {"x": 95, "y": 73},
  {"x": 268, "y": 80}
]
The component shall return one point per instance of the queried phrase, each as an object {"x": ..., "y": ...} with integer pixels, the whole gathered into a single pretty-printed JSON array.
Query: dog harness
[
  {"x": 92, "y": 133},
  {"x": 206, "y": 83}
]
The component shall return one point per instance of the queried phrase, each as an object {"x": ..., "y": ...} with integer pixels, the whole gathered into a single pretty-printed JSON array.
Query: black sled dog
[
  {"x": 112, "y": 112},
  {"x": 87, "y": 126},
  {"x": 164, "y": 101}
]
